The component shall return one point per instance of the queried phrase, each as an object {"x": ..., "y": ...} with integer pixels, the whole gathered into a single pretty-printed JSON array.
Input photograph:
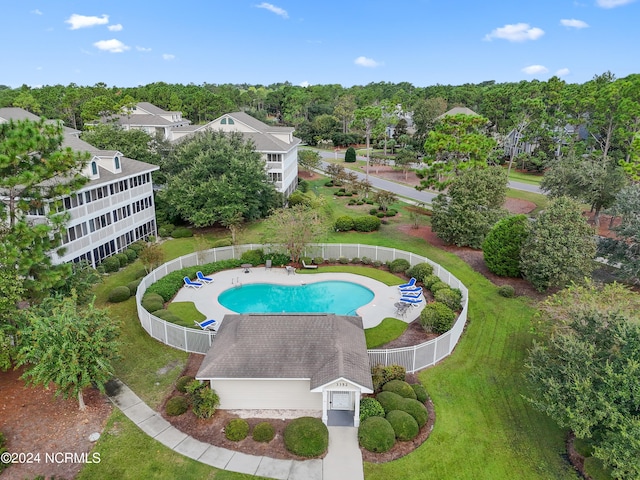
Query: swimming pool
[{"x": 339, "y": 297}]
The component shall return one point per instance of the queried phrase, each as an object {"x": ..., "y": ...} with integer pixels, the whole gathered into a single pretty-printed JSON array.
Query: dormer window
[
  {"x": 223, "y": 121},
  {"x": 231, "y": 121},
  {"x": 94, "y": 168},
  {"x": 116, "y": 161}
]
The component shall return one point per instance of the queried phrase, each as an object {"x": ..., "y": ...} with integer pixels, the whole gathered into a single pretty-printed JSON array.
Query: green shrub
[
  {"x": 399, "y": 265},
  {"x": 318, "y": 260},
  {"x": 377, "y": 263},
  {"x": 421, "y": 392},
  {"x": 381, "y": 374},
  {"x": 278, "y": 259},
  {"x": 366, "y": 224},
  {"x": 298, "y": 198},
  {"x": 350, "y": 155},
  {"x": 182, "y": 382},
  {"x": 344, "y": 224},
  {"x": 176, "y": 406},
  {"x": 437, "y": 286},
  {"x": 339, "y": 194},
  {"x": 223, "y": 242},
  {"x": 583, "y": 446},
  {"x": 416, "y": 409},
  {"x": 391, "y": 213},
  {"x": 204, "y": 400},
  {"x": 343, "y": 260},
  {"x": 181, "y": 232},
  {"x": 501, "y": 248},
  {"x": 119, "y": 294},
  {"x": 451, "y": 297},
  {"x": 420, "y": 271},
  {"x": 101, "y": 270},
  {"x": 236, "y": 430},
  {"x": 254, "y": 257},
  {"x": 163, "y": 232},
  {"x": 138, "y": 246},
  {"x": 133, "y": 286},
  {"x": 507, "y": 291},
  {"x": 151, "y": 239},
  {"x": 401, "y": 388},
  {"x": 436, "y": 317},
  {"x": 3, "y": 464},
  {"x": 263, "y": 432},
  {"x": 169, "y": 227},
  {"x": 123, "y": 260},
  {"x": 595, "y": 469},
  {"x": 328, "y": 183},
  {"x": 303, "y": 185},
  {"x": 306, "y": 260},
  {"x": 152, "y": 302},
  {"x": 366, "y": 261},
  {"x": 167, "y": 316},
  {"x": 389, "y": 401},
  {"x": 370, "y": 407},
  {"x": 381, "y": 215},
  {"x": 430, "y": 280},
  {"x": 404, "y": 425},
  {"x": 306, "y": 437},
  {"x": 356, "y": 260},
  {"x": 140, "y": 273},
  {"x": 376, "y": 434},
  {"x": 111, "y": 264},
  {"x": 351, "y": 202}
]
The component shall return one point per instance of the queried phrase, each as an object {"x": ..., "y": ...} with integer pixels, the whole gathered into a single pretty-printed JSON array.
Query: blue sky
[{"x": 424, "y": 42}]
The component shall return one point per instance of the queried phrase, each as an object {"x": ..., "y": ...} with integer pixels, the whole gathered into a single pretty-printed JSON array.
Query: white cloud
[
  {"x": 115, "y": 28},
  {"x": 142, "y": 49},
  {"x": 113, "y": 46},
  {"x": 272, "y": 8},
  {"x": 168, "y": 56},
  {"x": 535, "y": 69},
  {"x": 366, "y": 62},
  {"x": 613, "y": 3},
  {"x": 36, "y": 12},
  {"x": 305, "y": 84},
  {"x": 518, "y": 32},
  {"x": 572, "y": 22},
  {"x": 562, "y": 72},
  {"x": 80, "y": 21}
]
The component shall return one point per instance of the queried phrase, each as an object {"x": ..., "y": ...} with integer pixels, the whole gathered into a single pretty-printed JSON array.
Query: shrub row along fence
[{"x": 198, "y": 341}]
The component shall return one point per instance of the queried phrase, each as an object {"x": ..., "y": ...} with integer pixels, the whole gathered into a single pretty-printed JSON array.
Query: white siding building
[{"x": 114, "y": 209}]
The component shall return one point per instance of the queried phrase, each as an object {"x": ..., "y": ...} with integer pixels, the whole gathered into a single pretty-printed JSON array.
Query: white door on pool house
[{"x": 341, "y": 400}]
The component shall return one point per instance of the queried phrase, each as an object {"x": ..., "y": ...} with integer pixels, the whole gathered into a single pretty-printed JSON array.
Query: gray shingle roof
[
  {"x": 457, "y": 111},
  {"x": 152, "y": 109},
  {"x": 320, "y": 347}
]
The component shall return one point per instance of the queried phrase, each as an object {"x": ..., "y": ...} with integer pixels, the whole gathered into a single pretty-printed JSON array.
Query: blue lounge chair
[
  {"x": 411, "y": 300},
  {"x": 208, "y": 325},
  {"x": 415, "y": 294},
  {"x": 411, "y": 283},
  {"x": 411, "y": 289},
  {"x": 189, "y": 283},
  {"x": 204, "y": 279}
]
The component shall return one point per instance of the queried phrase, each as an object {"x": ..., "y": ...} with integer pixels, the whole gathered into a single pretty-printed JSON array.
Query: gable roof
[
  {"x": 320, "y": 347},
  {"x": 19, "y": 114},
  {"x": 457, "y": 111}
]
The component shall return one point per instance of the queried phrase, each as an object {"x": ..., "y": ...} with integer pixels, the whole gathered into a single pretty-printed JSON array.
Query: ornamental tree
[
  {"x": 501, "y": 248},
  {"x": 67, "y": 345},
  {"x": 309, "y": 160},
  {"x": 560, "y": 247},
  {"x": 350, "y": 155}
]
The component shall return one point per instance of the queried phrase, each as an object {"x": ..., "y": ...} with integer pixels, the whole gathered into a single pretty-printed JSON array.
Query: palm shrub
[
  {"x": 401, "y": 388},
  {"x": 306, "y": 436},
  {"x": 182, "y": 382},
  {"x": 420, "y": 271},
  {"x": 176, "y": 406},
  {"x": 263, "y": 432},
  {"x": 399, "y": 265},
  {"x": 204, "y": 400},
  {"x": 370, "y": 407},
  {"x": 436, "y": 317},
  {"x": 350, "y": 155},
  {"x": 503, "y": 244},
  {"x": 451, "y": 297},
  {"x": 376, "y": 434},
  {"x": 404, "y": 425},
  {"x": 237, "y": 429}
]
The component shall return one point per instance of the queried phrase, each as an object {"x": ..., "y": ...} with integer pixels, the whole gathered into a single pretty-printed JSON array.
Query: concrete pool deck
[{"x": 382, "y": 305}]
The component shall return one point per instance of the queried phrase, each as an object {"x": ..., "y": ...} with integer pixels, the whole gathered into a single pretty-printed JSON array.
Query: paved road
[{"x": 407, "y": 191}]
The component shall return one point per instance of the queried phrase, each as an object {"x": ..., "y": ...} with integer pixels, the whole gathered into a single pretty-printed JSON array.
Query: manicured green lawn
[
  {"x": 187, "y": 312},
  {"x": 540, "y": 200},
  {"x": 381, "y": 275},
  {"x": 522, "y": 177},
  {"x": 389, "y": 329}
]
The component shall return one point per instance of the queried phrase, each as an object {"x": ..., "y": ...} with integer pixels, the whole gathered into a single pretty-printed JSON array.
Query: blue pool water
[{"x": 341, "y": 298}]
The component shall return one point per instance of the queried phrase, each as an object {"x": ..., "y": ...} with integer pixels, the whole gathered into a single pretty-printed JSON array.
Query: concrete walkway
[{"x": 343, "y": 461}]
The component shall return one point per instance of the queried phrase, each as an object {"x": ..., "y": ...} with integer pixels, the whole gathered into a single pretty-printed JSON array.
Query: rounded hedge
[
  {"x": 389, "y": 401},
  {"x": 401, "y": 388},
  {"x": 318, "y": 260},
  {"x": 123, "y": 260},
  {"x": 451, "y": 297},
  {"x": 131, "y": 254},
  {"x": 399, "y": 265},
  {"x": 404, "y": 425},
  {"x": 437, "y": 317},
  {"x": 416, "y": 409},
  {"x": 420, "y": 271},
  {"x": 376, "y": 435},
  {"x": 421, "y": 392},
  {"x": 223, "y": 242},
  {"x": 430, "y": 280},
  {"x": 438, "y": 286},
  {"x": 182, "y": 232},
  {"x": 182, "y": 382},
  {"x": 167, "y": 316},
  {"x": 350, "y": 155},
  {"x": 366, "y": 223},
  {"x": 111, "y": 264},
  {"x": 176, "y": 406},
  {"x": 507, "y": 291},
  {"x": 370, "y": 407},
  {"x": 133, "y": 286},
  {"x": 236, "y": 430},
  {"x": 306, "y": 437},
  {"x": 119, "y": 294},
  {"x": 263, "y": 432},
  {"x": 501, "y": 248},
  {"x": 153, "y": 304},
  {"x": 344, "y": 224}
]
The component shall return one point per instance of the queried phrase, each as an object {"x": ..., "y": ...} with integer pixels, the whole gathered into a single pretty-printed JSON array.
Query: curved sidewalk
[{"x": 341, "y": 458}]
